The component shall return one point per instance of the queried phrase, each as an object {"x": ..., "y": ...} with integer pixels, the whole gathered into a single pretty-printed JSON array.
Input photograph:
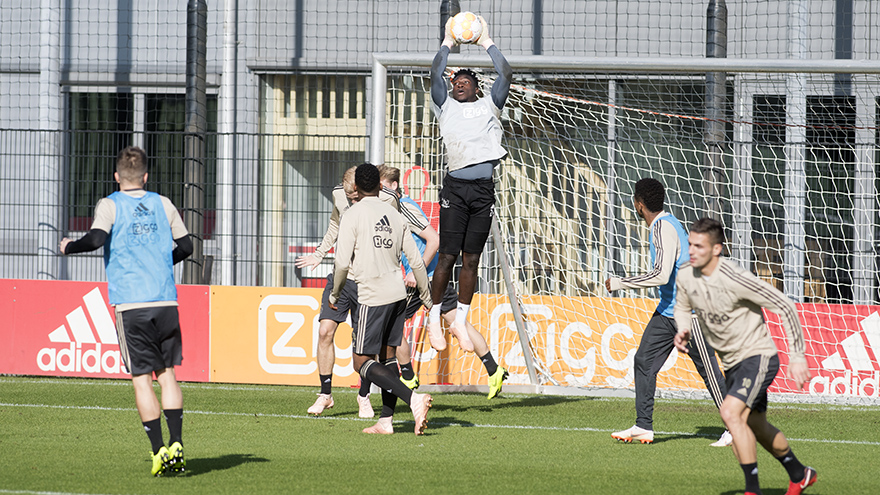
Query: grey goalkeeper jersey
[
  {"x": 728, "y": 304},
  {"x": 471, "y": 132}
]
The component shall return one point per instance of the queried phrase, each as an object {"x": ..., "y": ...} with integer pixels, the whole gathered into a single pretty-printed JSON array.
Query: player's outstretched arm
[
  {"x": 94, "y": 239},
  {"x": 501, "y": 87}
]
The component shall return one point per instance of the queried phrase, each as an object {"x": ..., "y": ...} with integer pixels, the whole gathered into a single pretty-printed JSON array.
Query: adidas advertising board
[
  {"x": 266, "y": 335},
  {"x": 69, "y": 329}
]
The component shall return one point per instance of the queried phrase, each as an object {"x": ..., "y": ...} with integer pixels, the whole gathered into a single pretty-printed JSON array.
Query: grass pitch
[{"x": 84, "y": 436}]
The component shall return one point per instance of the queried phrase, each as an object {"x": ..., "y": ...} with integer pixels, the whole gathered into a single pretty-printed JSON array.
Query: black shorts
[
  {"x": 466, "y": 211},
  {"x": 149, "y": 339},
  {"x": 378, "y": 327},
  {"x": 347, "y": 302},
  {"x": 749, "y": 380},
  {"x": 414, "y": 302}
]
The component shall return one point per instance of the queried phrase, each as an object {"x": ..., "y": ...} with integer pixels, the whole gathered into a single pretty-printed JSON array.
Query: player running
[
  {"x": 143, "y": 237},
  {"x": 427, "y": 241},
  {"x": 371, "y": 237},
  {"x": 329, "y": 319},
  {"x": 668, "y": 248},
  {"x": 728, "y": 300}
]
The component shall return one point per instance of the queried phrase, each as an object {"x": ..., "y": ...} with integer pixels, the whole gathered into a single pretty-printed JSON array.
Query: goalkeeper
[{"x": 471, "y": 131}]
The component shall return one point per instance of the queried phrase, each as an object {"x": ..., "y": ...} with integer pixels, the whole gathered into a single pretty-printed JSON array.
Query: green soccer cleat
[
  {"x": 178, "y": 462},
  {"x": 496, "y": 380},
  {"x": 411, "y": 384},
  {"x": 161, "y": 460}
]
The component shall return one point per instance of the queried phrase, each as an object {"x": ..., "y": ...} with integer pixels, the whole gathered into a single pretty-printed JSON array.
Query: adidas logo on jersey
[
  {"x": 383, "y": 225},
  {"x": 857, "y": 356},
  {"x": 84, "y": 352},
  {"x": 141, "y": 211}
]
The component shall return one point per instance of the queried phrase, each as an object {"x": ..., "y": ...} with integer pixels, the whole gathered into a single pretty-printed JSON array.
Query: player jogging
[
  {"x": 373, "y": 234},
  {"x": 329, "y": 319},
  {"x": 471, "y": 132},
  {"x": 139, "y": 231},
  {"x": 727, "y": 300},
  {"x": 668, "y": 249},
  {"x": 427, "y": 241}
]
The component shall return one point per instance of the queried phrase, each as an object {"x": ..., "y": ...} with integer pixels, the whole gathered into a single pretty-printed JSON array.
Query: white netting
[{"x": 790, "y": 167}]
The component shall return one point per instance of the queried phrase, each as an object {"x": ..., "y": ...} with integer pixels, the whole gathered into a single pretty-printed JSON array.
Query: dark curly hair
[
  {"x": 467, "y": 73},
  {"x": 650, "y": 192},
  {"x": 366, "y": 177}
]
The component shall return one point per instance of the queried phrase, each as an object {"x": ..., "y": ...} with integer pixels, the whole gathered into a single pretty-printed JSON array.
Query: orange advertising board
[
  {"x": 270, "y": 335},
  {"x": 583, "y": 342}
]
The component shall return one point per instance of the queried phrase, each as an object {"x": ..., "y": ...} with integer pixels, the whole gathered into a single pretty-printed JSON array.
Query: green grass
[{"x": 84, "y": 436}]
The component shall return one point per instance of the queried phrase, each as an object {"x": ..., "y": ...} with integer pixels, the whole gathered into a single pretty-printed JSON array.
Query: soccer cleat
[
  {"x": 435, "y": 335},
  {"x": 419, "y": 404},
  {"x": 726, "y": 440},
  {"x": 178, "y": 462},
  {"x": 365, "y": 408},
  {"x": 796, "y": 488},
  {"x": 496, "y": 380},
  {"x": 460, "y": 332},
  {"x": 324, "y": 401},
  {"x": 411, "y": 384},
  {"x": 382, "y": 427},
  {"x": 634, "y": 434},
  {"x": 161, "y": 461}
]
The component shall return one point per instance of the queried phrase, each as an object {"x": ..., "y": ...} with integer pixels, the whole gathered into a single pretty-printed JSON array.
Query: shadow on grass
[
  {"x": 197, "y": 466},
  {"x": 501, "y": 403},
  {"x": 708, "y": 432},
  {"x": 765, "y": 491}
]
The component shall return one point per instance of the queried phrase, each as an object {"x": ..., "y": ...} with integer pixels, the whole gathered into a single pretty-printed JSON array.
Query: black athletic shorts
[
  {"x": 414, "y": 302},
  {"x": 749, "y": 380},
  {"x": 466, "y": 210},
  {"x": 378, "y": 327},
  {"x": 149, "y": 339},
  {"x": 347, "y": 302}
]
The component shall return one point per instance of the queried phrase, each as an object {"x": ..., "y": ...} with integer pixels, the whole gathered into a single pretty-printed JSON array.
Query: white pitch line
[{"x": 469, "y": 425}]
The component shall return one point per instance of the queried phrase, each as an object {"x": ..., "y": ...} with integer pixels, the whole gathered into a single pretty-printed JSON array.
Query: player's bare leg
[
  {"x": 326, "y": 358},
  {"x": 776, "y": 444},
  {"x": 172, "y": 405},
  {"x": 442, "y": 274},
  {"x": 370, "y": 369},
  {"x": 145, "y": 398}
]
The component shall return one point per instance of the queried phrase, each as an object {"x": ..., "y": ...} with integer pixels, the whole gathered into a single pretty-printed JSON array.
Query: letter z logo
[{"x": 281, "y": 348}]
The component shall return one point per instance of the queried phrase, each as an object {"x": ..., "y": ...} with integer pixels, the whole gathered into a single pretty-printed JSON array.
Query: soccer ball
[{"x": 466, "y": 28}]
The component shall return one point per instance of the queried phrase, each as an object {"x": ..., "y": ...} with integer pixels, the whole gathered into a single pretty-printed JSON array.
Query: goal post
[{"x": 797, "y": 193}]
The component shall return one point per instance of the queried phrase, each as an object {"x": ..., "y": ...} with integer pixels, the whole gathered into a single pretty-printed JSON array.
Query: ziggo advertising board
[
  {"x": 68, "y": 329},
  {"x": 270, "y": 335}
]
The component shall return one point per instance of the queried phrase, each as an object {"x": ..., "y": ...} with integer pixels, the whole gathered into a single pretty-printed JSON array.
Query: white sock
[
  {"x": 461, "y": 313},
  {"x": 434, "y": 315}
]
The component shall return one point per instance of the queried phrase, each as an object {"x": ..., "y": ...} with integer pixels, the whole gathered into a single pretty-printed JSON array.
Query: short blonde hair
[
  {"x": 390, "y": 174},
  {"x": 348, "y": 180}
]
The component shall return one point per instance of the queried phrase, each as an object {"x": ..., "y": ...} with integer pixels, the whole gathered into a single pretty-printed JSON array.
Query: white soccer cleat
[
  {"x": 634, "y": 434},
  {"x": 726, "y": 440},
  {"x": 382, "y": 427},
  {"x": 460, "y": 332},
  {"x": 419, "y": 404},
  {"x": 324, "y": 401},
  {"x": 365, "y": 408},
  {"x": 435, "y": 335}
]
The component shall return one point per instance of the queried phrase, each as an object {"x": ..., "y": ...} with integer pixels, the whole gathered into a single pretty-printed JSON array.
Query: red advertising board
[
  {"x": 842, "y": 349},
  {"x": 68, "y": 329}
]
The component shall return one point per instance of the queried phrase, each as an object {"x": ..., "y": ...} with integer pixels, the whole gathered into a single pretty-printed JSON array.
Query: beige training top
[
  {"x": 340, "y": 206},
  {"x": 728, "y": 304},
  {"x": 374, "y": 233}
]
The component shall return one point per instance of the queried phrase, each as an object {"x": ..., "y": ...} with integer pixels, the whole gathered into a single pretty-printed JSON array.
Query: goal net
[{"x": 786, "y": 157}]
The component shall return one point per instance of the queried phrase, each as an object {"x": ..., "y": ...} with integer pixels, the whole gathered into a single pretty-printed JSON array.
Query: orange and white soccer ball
[{"x": 466, "y": 28}]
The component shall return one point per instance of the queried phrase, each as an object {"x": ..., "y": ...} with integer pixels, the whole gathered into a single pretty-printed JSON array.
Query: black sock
[
  {"x": 751, "y": 472},
  {"x": 174, "y": 418},
  {"x": 154, "y": 432},
  {"x": 792, "y": 465},
  {"x": 326, "y": 381},
  {"x": 365, "y": 387},
  {"x": 406, "y": 371},
  {"x": 385, "y": 379},
  {"x": 389, "y": 400},
  {"x": 489, "y": 363}
]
